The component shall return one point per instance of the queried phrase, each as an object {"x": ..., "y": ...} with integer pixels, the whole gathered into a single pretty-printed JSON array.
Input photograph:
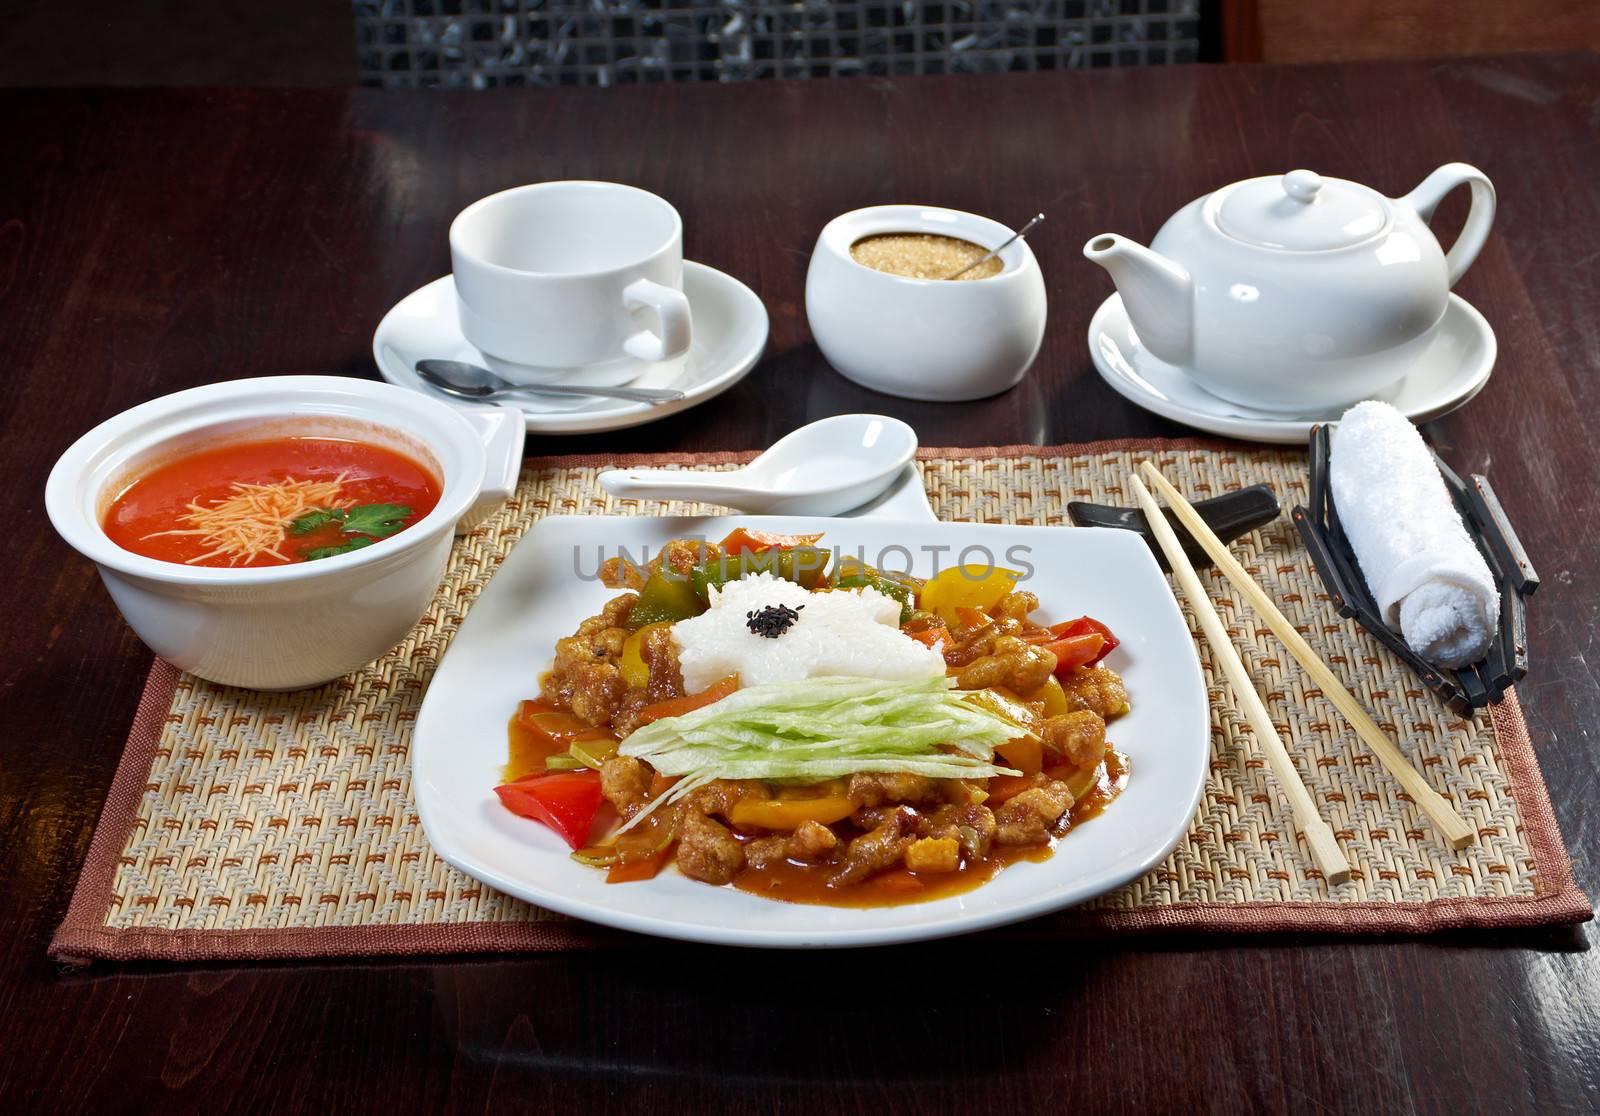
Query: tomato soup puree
[{"x": 271, "y": 502}]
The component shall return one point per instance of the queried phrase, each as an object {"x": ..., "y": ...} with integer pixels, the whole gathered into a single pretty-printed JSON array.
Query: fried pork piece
[
  {"x": 707, "y": 851},
  {"x": 878, "y": 788},
  {"x": 624, "y": 782},
  {"x": 1099, "y": 689},
  {"x": 933, "y": 854},
  {"x": 873, "y": 852},
  {"x": 810, "y": 843},
  {"x": 1079, "y": 735},
  {"x": 969, "y": 648},
  {"x": 1018, "y": 666},
  {"x": 882, "y": 795},
  {"x": 682, "y": 555},
  {"x": 659, "y": 654},
  {"x": 1026, "y": 818},
  {"x": 618, "y": 572},
  {"x": 718, "y": 796},
  {"x": 1017, "y": 605},
  {"x": 871, "y": 817},
  {"x": 593, "y": 691},
  {"x": 585, "y": 678},
  {"x": 625, "y": 717},
  {"x": 618, "y": 609},
  {"x": 971, "y": 826}
]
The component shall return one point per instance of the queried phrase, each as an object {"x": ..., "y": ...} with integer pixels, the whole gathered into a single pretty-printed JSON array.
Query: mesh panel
[{"x": 483, "y": 43}]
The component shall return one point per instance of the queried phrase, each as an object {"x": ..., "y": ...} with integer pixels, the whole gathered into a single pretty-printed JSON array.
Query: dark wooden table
[{"x": 151, "y": 241}]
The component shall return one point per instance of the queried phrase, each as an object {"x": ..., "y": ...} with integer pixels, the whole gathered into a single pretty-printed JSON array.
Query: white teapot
[{"x": 1297, "y": 293}]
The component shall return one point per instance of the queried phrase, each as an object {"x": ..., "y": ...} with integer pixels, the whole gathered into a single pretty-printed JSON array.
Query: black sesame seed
[{"x": 772, "y": 621}]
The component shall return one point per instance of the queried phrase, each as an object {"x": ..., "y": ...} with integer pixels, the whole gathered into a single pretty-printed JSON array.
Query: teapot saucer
[{"x": 1450, "y": 371}]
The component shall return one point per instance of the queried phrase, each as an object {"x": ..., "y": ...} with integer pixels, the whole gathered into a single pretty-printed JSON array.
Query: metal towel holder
[{"x": 1507, "y": 661}]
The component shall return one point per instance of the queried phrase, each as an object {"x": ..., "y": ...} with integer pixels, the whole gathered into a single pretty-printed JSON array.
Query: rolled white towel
[{"x": 1428, "y": 578}]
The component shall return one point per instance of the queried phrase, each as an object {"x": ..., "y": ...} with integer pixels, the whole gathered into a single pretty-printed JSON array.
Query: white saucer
[
  {"x": 730, "y": 332},
  {"x": 1453, "y": 368}
]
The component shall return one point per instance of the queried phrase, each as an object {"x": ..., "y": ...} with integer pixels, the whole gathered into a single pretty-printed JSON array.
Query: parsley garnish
[
  {"x": 368, "y": 522},
  {"x": 343, "y": 548},
  {"x": 313, "y": 519},
  {"x": 378, "y": 520}
]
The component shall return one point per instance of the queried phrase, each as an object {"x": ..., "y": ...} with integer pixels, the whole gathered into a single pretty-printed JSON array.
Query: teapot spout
[{"x": 1156, "y": 292}]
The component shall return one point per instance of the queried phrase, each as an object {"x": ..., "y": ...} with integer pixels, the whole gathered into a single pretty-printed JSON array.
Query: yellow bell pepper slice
[
  {"x": 1082, "y": 781},
  {"x": 635, "y": 671},
  {"x": 1023, "y": 712},
  {"x": 1052, "y": 696},
  {"x": 790, "y": 813},
  {"x": 979, "y": 587},
  {"x": 1026, "y": 754}
]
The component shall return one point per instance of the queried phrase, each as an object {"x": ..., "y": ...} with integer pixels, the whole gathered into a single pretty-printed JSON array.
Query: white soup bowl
[{"x": 292, "y": 626}]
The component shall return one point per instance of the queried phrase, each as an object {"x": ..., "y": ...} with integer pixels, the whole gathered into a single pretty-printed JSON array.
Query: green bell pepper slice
[
  {"x": 667, "y": 597},
  {"x": 802, "y": 565},
  {"x": 851, "y": 573}
]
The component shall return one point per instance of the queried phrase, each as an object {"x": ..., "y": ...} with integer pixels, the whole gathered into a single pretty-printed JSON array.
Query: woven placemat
[{"x": 246, "y": 825}]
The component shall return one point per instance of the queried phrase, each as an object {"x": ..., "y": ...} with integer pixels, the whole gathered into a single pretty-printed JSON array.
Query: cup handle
[
  {"x": 1431, "y": 191},
  {"x": 672, "y": 317},
  {"x": 503, "y": 429}
]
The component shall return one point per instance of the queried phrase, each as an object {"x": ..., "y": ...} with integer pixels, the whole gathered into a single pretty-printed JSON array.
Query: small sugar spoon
[
  {"x": 997, "y": 249},
  {"x": 470, "y": 381}
]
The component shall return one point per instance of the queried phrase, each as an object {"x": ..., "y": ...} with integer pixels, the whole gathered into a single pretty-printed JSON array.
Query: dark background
[{"x": 310, "y": 42}]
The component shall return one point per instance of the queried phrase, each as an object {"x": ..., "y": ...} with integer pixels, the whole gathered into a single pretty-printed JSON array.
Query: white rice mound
[{"x": 853, "y": 632}]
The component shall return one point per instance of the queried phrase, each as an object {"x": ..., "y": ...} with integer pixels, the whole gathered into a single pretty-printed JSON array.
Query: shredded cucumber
[{"x": 824, "y": 728}]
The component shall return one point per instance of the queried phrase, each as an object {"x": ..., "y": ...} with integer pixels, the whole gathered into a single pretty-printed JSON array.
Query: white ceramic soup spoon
[{"x": 824, "y": 468}]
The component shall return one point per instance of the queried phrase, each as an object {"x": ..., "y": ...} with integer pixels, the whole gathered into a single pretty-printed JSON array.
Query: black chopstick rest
[
  {"x": 1231, "y": 515},
  {"x": 1462, "y": 690}
]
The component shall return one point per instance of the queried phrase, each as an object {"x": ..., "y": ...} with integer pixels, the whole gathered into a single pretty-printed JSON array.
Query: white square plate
[{"x": 538, "y": 596}]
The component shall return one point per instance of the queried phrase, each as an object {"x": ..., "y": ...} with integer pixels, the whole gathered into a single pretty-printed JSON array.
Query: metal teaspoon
[
  {"x": 469, "y": 381},
  {"x": 995, "y": 251}
]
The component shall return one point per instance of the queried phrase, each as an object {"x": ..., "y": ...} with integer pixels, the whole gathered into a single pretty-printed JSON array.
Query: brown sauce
[
  {"x": 802, "y": 883},
  {"x": 528, "y": 751}
]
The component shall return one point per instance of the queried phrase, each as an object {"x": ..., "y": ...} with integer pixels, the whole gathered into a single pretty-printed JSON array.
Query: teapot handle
[{"x": 1431, "y": 191}]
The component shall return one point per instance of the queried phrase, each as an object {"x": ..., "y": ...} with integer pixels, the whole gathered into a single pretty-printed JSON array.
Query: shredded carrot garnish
[{"x": 254, "y": 521}]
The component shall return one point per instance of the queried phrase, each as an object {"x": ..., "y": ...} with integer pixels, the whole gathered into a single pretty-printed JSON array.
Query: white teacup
[{"x": 577, "y": 281}]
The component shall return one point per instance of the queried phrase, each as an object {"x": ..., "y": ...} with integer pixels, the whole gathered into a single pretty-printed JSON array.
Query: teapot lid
[{"x": 1301, "y": 212}]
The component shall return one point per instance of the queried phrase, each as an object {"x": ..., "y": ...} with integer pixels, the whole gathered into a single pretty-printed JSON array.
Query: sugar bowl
[{"x": 924, "y": 338}]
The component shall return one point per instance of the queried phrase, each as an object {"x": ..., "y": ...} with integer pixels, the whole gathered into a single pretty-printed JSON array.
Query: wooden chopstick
[
  {"x": 1319, "y": 836},
  {"x": 1455, "y": 829}
]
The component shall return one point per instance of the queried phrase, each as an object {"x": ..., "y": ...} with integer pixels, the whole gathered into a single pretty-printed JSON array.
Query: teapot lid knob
[
  {"x": 1302, "y": 185},
  {"x": 1300, "y": 211}
]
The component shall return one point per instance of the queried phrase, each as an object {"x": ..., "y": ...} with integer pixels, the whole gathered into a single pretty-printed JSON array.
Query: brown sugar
[{"x": 923, "y": 256}]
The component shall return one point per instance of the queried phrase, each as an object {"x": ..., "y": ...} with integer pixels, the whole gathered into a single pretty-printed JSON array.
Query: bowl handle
[{"x": 503, "y": 429}]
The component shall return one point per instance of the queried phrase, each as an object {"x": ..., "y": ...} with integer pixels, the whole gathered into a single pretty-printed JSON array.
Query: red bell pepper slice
[
  {"x": 566, "y": 802},
  {"x": 547, "y": 723},
  {"x": 1076, "y": 651},
  {"x": 741, "y": 539},
  {"x": 677, "y": 707},
  {"x": 937, "y": 638},
  {"x": 1083, "y": 625}
]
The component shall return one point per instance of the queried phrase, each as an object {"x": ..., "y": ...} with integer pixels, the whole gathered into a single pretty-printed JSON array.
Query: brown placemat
[{"x": 243, "y": 825}]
